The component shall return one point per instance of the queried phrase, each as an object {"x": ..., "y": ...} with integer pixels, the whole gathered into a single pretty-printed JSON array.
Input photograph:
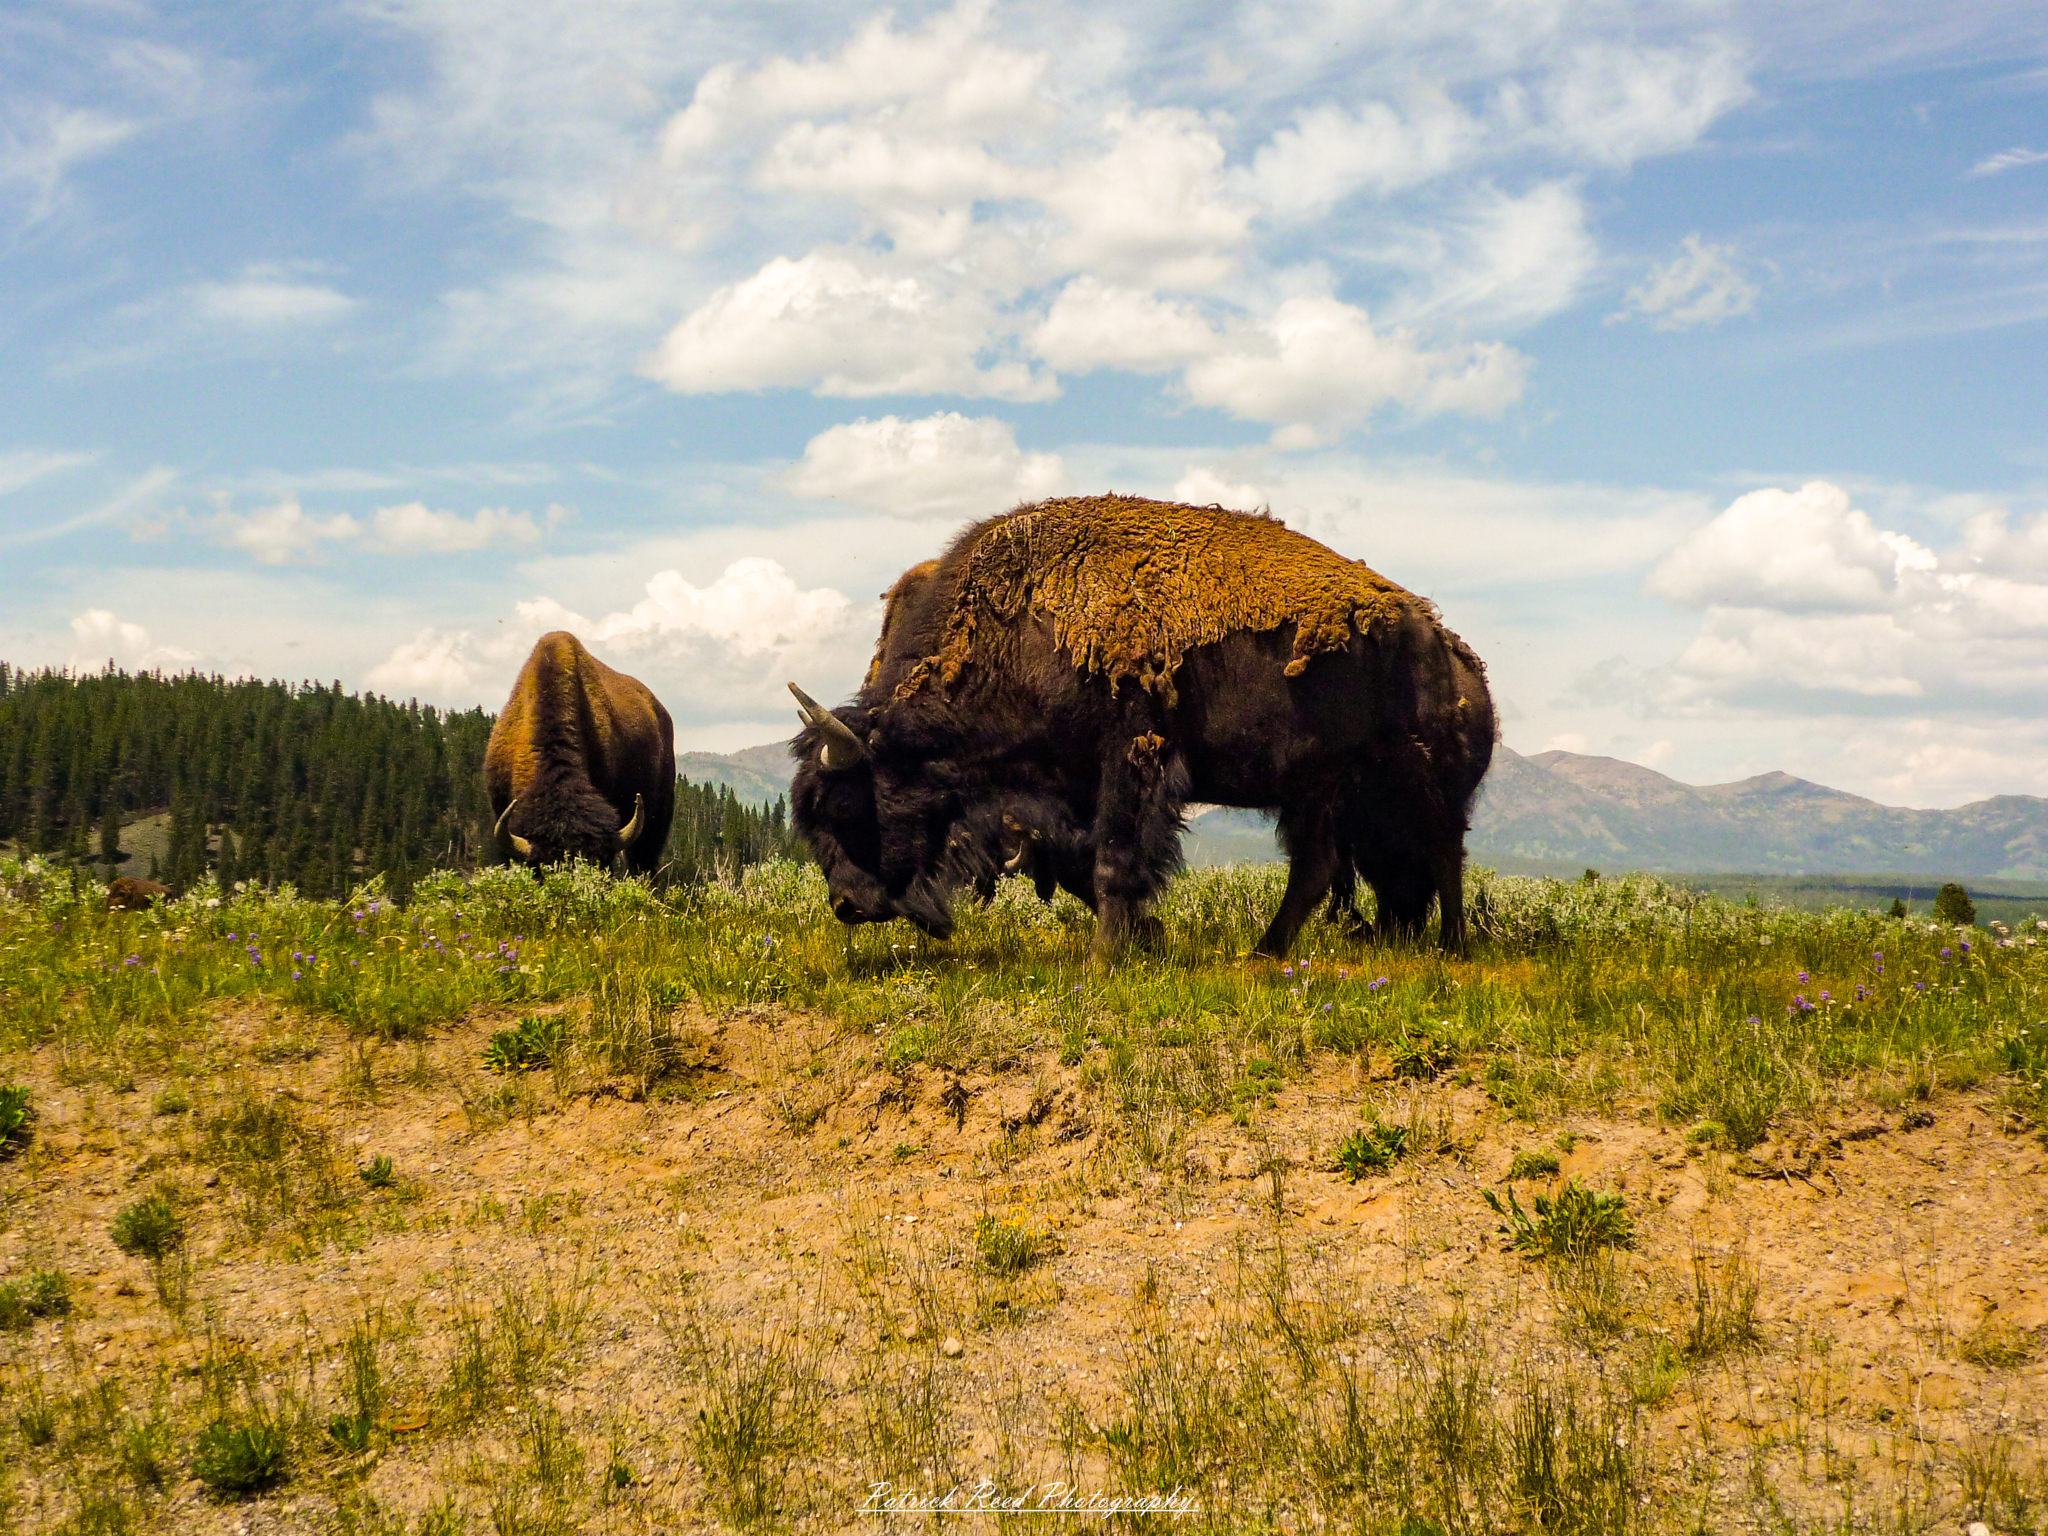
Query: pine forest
[{"x": 280, "y": 784}]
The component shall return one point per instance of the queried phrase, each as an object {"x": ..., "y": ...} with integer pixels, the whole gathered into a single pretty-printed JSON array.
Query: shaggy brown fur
[
  {"x": 576, "y": 743},
  {"x": 1369, "y": 733},
  {"x": 129, "y": 894},
  {"x": 1130, "y": 585},
  {"x": 906, "y": 589}
]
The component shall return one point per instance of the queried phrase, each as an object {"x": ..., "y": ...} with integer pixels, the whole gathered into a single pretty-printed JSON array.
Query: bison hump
[{"x": 1131, "y": 585}]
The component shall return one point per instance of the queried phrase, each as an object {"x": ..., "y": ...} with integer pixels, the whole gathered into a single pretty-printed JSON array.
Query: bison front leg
[
  {"x": 1137, "y": 840},
  {"x": 1312, "y": 861}
]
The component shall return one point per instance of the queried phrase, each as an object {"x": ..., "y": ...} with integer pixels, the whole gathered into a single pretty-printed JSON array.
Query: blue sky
[{"x": 1691, "y": 356}]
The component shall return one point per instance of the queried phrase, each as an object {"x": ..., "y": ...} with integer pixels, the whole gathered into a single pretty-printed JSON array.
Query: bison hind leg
[{"x": 1313, "y": 860}]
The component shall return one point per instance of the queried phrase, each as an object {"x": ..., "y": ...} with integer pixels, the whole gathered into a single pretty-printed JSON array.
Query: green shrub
[
  {"x": 1539, "y": 1164},
  {"x": 1374, "y": 1148},
  {"x": 14, "y": 1113},
  {"x": 351, "y": 1431},
  {"x": 1009, "y": 1245},
  {"x": 46, "y": 1293},
  {"x": 37, "y": 1420},
  {"x": 149, "y": 1228},
  {"x": 378, "y": 1173},
  {"x": 1574, "y": 1221},
  {"x": 1421, "y": 1056},
  {"x": 235, "y": 1460},
  {"x": 539, "y": 1040}
]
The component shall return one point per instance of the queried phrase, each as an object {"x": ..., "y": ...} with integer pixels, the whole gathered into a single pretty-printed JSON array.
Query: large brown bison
[
  {"x": 582, "y": 762},
  {"x": 1088, "y": 667}
]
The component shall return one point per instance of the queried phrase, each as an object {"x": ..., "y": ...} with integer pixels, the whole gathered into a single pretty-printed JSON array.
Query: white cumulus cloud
[
  {"x": 1320, "y": 367},
  {"x": 1332, "y": 152},
  {"x": 1203, "y": 486},
  {"x": 946, "y": 465},
  {"x": 99, "y": 636},
  {"x": 1804, "y": 593},
  {"x": 284, "y": 531},
  {"x": 825, "y": 321},
  {"x": 716, "y": 651},
  {"x": 414, "y": 525},
  {"x": 1154, "y": 206},
  {"x": 1701, "y": 285},
  {"x": 1796, "y": 550},
  {"x": 1095, "y": 325}
]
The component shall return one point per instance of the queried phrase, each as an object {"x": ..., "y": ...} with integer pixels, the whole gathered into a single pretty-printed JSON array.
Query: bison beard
[
  {"x": 1006, "y": 699},
  {"x": 581, "y": 763}
]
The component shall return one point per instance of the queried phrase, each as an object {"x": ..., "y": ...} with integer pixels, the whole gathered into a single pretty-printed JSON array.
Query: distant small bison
[
  {"x": 129, "y": 894},
  {"x": 582, "y": 762}
]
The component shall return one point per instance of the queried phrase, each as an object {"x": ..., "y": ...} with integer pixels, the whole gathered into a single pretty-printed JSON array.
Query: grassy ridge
[
  {"x": 1284, "y": 1395},
  {"x": 1734, "y": 1013}
]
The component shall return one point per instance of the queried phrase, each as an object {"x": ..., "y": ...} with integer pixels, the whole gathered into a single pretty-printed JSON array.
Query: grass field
[{"x": 567, "y": 1205}]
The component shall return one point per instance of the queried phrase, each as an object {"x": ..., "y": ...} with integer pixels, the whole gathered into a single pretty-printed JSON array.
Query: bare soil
[{"x": 800, "y": 1193}]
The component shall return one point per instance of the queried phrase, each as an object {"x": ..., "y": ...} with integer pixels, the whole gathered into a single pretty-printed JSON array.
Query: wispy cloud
[
  {"x": 267, "y": 295},
  {"x": 137, "y": 497},
  {"x": 25, "y": 466},
  {"x": 45, "y": 143},
  {"x": 2008, "y": 160}
]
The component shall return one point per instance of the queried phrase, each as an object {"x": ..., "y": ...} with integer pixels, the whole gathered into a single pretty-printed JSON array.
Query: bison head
[
  {"x": 875, "y": 869},
  {"x": 551, "y": 823}
]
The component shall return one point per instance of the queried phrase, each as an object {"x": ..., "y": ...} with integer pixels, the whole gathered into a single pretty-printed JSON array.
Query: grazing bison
[
  {"x": 1007, "y": 833},
  {"x": 128, "y": 894},
  {"x": 582, "y": 762},
  {"x": 1089, "y": 666}
]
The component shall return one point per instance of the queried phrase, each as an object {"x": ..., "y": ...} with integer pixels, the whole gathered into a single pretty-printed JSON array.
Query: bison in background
[
  {"x": 582, "y": 762},
  {"x": 130, "y": 894},
  {"x": 1087, "y": 667}
]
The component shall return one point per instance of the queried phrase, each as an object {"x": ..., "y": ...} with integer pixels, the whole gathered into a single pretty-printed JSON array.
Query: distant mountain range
[
  {"x": 758, "y": 775},
  {"x": 1560, "y": 812}
]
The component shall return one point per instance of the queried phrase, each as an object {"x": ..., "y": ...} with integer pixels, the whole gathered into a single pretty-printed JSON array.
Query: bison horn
[
  {"x": 631, "y": 829},
  {"x": 841, "y": 748},
  {"x": 520, "y": 845}
]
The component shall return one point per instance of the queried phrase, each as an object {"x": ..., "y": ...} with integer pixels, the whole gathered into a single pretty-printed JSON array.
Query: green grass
[
  {"x": 1693, "y": 999},
  {"x": 1728, "y": 1021}
]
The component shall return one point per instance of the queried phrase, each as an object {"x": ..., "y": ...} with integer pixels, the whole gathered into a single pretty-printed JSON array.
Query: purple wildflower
[{"x": 1804, "y": 977}]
